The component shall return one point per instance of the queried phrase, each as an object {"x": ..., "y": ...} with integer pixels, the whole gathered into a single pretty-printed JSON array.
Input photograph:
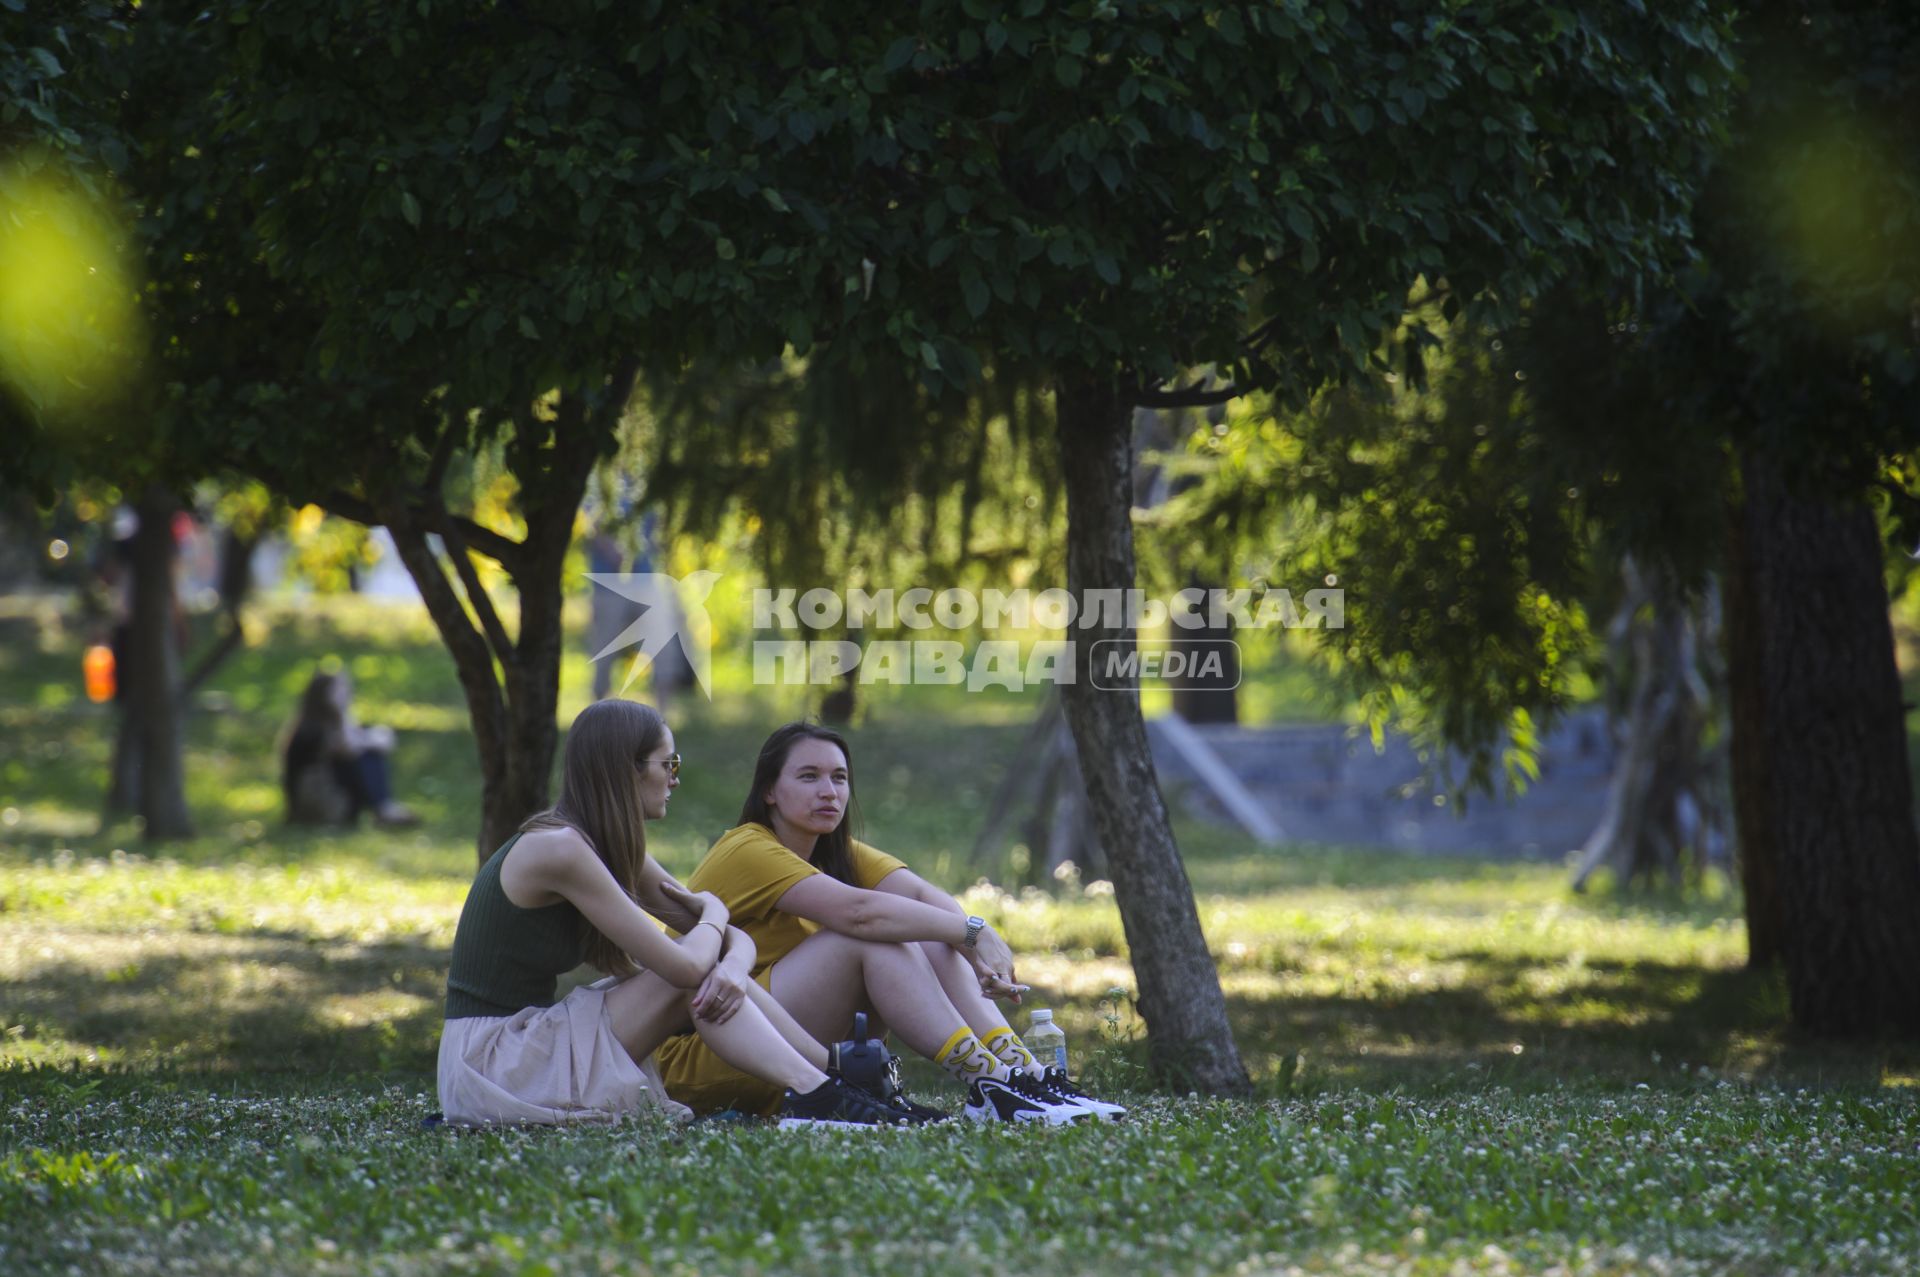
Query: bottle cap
[{"x": 1042, "y": 1016}]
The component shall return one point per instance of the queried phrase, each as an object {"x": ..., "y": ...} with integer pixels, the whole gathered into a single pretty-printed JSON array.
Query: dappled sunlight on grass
[{"x": 1377, "y": 969}]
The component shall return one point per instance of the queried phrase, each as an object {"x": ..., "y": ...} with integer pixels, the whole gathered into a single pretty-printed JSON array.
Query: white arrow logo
[{"x": 670, "y": 606}]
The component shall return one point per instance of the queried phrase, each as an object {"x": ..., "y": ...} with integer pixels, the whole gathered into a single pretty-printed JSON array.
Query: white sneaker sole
[
  {"x": 1026, "y": 1119},
  {"x": 831, "y": 1124}
]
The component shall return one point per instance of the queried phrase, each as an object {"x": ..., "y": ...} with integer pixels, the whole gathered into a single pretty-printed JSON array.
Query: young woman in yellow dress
[
  {"x": 576, "y": 884},
  {"x": 840, "y": 927}
]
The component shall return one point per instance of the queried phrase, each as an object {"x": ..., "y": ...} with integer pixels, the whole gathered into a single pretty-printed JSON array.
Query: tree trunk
[
  {"x": 1662, "y": 817},
  {"x": 512, "y": 685},
  {"x": 1749, "y": 764},
  {"x": 1833, "y": 731},
  {"x": 1189, "y": 1039},
  {"x": 152, "y": 704},
  {"x": 1213, "y": 698}
]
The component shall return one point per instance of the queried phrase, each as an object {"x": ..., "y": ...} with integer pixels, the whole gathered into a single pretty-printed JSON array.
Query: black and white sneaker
[
  {"x": 1018, "y": 1099},
  {"x": 835, "y": 1103},
  {"x": 1057, "y": 1081}
]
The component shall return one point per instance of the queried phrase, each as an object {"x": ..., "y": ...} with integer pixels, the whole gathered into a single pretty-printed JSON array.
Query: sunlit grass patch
[{"x": 214, "y": 1056}]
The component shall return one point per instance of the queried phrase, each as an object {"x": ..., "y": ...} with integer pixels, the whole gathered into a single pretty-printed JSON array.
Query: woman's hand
[
  {"x": 720, "y": 994},
  {"x": 992, "y": 958},
  {"x": 993, "y": 987},
  {"x": 703, "y": 905}
]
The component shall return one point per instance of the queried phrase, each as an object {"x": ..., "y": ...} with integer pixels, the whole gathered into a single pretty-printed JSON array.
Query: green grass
[{"x": 216, "y": 1053}]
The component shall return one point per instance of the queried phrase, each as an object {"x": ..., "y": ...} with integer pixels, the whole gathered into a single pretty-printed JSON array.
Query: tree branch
[
  {"x": 477, "y": 594},
  {"x": 504, "y": 550},
  {"x": 1196, "y": 396},
  {"x": 442, "y": 455},
  {"x": 213, "y": 658},
  {"x": 471, "y": 655}
]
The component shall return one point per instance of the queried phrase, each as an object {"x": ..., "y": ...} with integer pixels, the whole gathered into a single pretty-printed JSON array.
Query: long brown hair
[
  {"x": 832, "y": 853},
  {"x": 600, "y": 800},
  {"x": 314, "y": 730}
]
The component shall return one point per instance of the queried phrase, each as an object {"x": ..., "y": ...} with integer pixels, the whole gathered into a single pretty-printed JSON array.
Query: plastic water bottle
[{"x": 1046, "y": 1041}]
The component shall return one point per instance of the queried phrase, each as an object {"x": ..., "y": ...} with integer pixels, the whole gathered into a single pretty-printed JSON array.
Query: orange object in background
[{"x": 97, "y": 666}]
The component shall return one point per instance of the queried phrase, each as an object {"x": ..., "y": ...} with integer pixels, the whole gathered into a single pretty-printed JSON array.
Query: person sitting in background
[{"x": 332, "y": 767}]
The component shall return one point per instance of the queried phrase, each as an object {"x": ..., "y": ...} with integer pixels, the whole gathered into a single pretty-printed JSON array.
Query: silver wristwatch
[{"x": 975, "y": 926}]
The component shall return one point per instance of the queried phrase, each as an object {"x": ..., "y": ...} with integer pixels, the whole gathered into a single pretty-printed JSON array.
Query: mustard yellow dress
[{"x": 750, "y": 869}]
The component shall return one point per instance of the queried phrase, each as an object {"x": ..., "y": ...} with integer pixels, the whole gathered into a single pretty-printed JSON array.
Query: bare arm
[
  {"x": 871, "y": 915},
  {"x": 905, "y": 882},
  {"x": 725, "y": 988},
  {"x": 560, "y": 863},
  {"x": 890, "y": 915},
  {"x": 996, "y": 979},
  {"x": 656, "y": 901}
]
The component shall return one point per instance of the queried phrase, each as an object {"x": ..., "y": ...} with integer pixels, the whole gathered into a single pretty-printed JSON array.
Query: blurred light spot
[
  {"x": 56, "y": 549},
  {"x": 69, "y": 310}
]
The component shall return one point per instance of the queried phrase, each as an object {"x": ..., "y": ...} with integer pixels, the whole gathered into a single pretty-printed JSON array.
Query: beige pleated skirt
[{"x": 547, "y": 1066}]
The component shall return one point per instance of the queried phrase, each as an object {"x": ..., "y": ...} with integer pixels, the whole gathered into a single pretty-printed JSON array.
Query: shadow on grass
[
  {"x": 1622, "y": 1022},
  {"x": 259, "y": 1002}
]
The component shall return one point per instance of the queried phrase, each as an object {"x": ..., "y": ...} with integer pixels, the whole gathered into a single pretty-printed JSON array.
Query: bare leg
[
  {"x": 646, "y": 1010},
  {"x": 829, "y": 976},
  {"x": 789, "y": 1028},
  {"x": 962, "y": 988}
]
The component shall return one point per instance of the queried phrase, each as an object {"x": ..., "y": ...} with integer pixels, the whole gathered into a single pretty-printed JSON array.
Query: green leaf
[
  {"x": 527, "y": 329},
  {"x": 977, "y": 294},
  {"x": 48, "y": 63},
  {"x": 1068, "y": 71},
  {"x": 1500, "y": 78},
  {"x": 401, "y": 324},
  {"x": 410, "y": 209},
  {"x": 723, "y": 249},
  {"x": 1105, "y": 267},
  {"x": 1300, "y": 222},
  {"x": 899, "y": 53},
  {"x": 929, "y": 356},
  {"x": 775, "y": 200}
]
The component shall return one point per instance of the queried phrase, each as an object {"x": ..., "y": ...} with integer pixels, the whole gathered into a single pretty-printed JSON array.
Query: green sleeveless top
[{"x": 506, "y": 958}]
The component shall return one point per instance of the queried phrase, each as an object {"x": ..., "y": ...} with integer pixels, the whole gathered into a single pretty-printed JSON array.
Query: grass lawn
[{"x": 216, "y": 1054}]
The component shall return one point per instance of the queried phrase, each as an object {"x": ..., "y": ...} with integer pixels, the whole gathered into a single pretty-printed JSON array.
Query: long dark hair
[
  {"x": 315, "y": 727},
  {"x": 833, "y": 852},
  {"x": 600, "y": 800}
]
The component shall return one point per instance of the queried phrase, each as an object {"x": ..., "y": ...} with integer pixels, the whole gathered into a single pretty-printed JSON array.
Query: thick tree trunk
[
  {"x": 1189, "y": 1039},
  {"x": 1752, "y": 783},
  {"x": 152, "y": 702},
  {"x": 1840, "y": 796}
]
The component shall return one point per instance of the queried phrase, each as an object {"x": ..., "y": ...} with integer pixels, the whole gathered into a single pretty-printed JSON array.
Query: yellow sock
[
  {"x": 1010, "y": 1050},
  {"x": 969, "y": 1061}
]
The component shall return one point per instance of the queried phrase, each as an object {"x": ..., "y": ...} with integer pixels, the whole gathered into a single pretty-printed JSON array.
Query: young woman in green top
[{"x": 576, "y": 884}]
